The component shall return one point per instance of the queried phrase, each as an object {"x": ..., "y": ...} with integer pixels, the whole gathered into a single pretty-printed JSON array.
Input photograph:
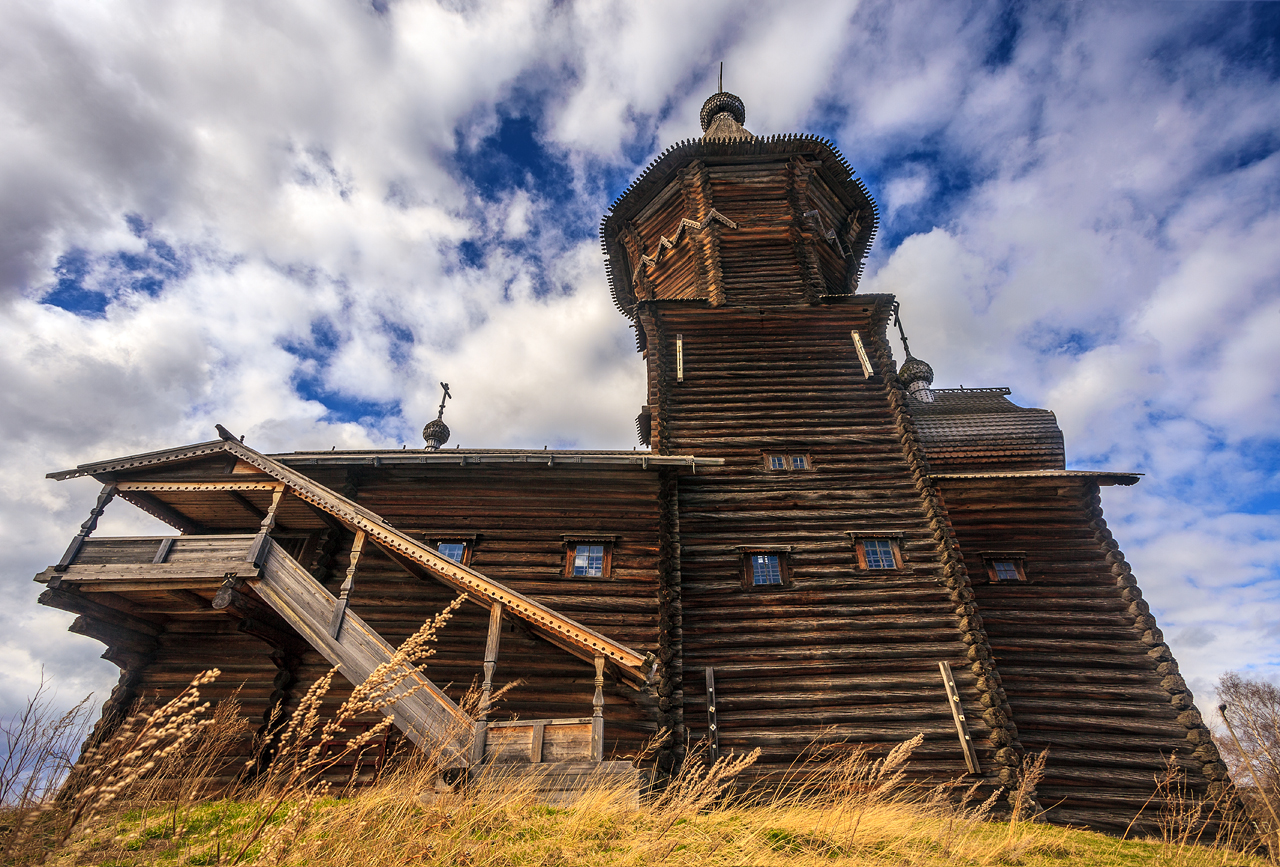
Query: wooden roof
[
  {"x": 267, "y": 473},
  {"x": 982, "y": 429},
  {"x": 835, "y": 170}
]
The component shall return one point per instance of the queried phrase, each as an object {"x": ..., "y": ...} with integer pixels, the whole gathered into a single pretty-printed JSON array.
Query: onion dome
[
  {"x": 917, "y": 376},
  {"x": 722, "y": 116},
  {"x": 436, "y": 433}
]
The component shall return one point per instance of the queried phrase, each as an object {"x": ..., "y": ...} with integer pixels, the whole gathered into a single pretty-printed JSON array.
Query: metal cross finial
[
  {"x": 445, "y": 386},
  {"x": 720, "y": 86},
  {"x": 897, "y": 320}
]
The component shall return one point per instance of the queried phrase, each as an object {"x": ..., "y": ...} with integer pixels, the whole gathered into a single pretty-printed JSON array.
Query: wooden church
[{"x": 816, "y": 547}]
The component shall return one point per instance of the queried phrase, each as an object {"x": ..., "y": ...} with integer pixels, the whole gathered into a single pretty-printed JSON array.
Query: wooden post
[
  {"x": 344, "y": 591},
  {"x": 713, "y": 729},
  {"x": 957, "y": 714},
  {"x": 486, "y": 690},
  {"x": 259, "y": 549},
  {"x": 597, "y": 714},
  {"x": 87, "y": 528}
]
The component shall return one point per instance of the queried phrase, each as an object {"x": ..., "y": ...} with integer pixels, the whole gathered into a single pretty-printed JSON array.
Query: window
[
  {"x": 1004, "y": 567},
  {"x": 877, "y": 552},
  {"x": 455, "y": 551},
  {"x": 457, "y": 548},
  {"x": 765, "y": 567},
  {"x": 786, "y": 463},
  {"x": 588, "y": 557},
  {"x": 588, "y": 560}
]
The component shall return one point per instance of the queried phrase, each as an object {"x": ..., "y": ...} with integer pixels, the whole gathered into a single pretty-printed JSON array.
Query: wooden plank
[
  {"x": 428, "y": 716},
  {"x": 957, "y": 714}
]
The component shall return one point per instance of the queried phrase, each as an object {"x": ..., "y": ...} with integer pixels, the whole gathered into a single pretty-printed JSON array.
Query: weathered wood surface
[
  {"x": 426, "y": 715},
  {"x": 1069, "y": 645}
]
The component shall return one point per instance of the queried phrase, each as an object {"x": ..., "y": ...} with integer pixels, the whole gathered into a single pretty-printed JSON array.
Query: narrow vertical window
[
  {"x": 679, "y": 358},
  {"x": 863, "y": 359}
]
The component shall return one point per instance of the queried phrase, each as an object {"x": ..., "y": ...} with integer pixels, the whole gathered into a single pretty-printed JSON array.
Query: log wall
[
  {"x": 1086, "y": 670},
  {"x": 842, "y": 654}
]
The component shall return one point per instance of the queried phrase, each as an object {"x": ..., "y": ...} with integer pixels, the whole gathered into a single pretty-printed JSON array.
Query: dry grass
[{"x": 138, "y": 801}]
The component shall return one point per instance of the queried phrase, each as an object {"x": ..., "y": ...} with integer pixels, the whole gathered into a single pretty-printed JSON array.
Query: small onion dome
[
  {"x": 917, "y": 376},
  {"x": 722, "y": 102},
  {"x": 436, "y": 433}
]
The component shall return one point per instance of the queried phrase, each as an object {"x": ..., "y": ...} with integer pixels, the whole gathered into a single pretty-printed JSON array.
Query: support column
[
  {"x": 486, "y": 690},
  {"x": 597, "y": 714},
  {"x": 87, "y": 528},
  {"x": 259, "y": 549},
  {"x": 344, "y": 592}
]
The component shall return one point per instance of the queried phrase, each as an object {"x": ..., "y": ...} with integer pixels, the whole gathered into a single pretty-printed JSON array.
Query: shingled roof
[{"x": 974, "y": 429}]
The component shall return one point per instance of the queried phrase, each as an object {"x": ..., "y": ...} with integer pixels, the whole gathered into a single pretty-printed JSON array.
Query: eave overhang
[{"x": 1102, "y": 477}]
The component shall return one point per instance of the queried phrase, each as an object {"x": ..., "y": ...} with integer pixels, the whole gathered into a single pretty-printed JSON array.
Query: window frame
[
  {"x": 467, "y": 540},
  {"x": 788, "y": 461},
  {"x": 571, "y": 543},
  {"x": 1017, "y": 558},
  {"x": 858, "y": 540},
  {"x": 782, "y": 552}
]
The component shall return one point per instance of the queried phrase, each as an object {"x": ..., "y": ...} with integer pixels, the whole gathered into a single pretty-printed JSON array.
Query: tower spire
[
  {"x": 436, "y": 433},
  {"x": 916, "y": 375}
]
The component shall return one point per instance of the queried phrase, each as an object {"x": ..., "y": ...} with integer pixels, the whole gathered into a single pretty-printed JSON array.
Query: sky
[{"x": 297, "y": 218}]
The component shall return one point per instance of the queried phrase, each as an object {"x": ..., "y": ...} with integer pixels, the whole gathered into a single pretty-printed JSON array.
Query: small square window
[
  {"x": 765, "y": 569},
  {"x": 878, "y": 553},
  {"x": 455, "y": 551},
  {"x": 768, "y": 568},
  {"x": 1004, "y": 569},
  {"x": 799, "y": 462},
  {"x": 777, "y": 462},
  {"x": 589, "y": 558}
]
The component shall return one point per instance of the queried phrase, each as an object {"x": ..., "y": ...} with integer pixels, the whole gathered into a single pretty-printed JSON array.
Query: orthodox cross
[{"x": 445, "y": 386}]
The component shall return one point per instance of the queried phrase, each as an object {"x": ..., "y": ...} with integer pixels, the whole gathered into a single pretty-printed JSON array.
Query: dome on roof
[
  {"x": 917, "y": 376},
  {"x": 436, "y": 433},
  {"x": 719, "y": 103}
]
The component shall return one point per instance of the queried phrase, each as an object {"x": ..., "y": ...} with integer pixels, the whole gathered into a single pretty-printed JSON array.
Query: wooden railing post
[
  {"x": 259, "y": 549},
  {"x": 486, "y": 690},
  {"x": 87, "y": 528},
  {"x": 348, "y": 583},
  {"x": 597, "y": 714}
]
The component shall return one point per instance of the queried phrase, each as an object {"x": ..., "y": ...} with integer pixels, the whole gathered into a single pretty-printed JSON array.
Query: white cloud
[{"x": 1097, "y": 233}]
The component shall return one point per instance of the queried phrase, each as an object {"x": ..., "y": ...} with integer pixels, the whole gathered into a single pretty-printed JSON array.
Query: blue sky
[{"x": 296, "y": 218}]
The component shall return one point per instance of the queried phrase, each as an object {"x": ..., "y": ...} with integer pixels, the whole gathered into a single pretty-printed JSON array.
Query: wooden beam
[
  {"x": 78, "y": 603},
  {"x": 267, "y": 484},
  {"x": 156, "y": 507}
]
